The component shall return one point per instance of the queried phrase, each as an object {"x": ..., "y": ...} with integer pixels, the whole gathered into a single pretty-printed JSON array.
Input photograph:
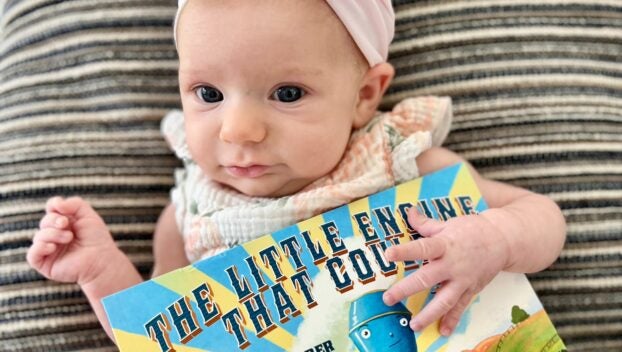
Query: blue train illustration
[{"x": 376, "y": 327}]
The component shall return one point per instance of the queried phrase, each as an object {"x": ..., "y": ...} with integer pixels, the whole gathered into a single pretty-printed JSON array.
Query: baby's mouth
[{"x": 250, "y": 171}]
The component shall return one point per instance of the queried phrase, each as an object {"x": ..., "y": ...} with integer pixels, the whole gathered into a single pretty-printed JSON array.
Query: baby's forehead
[
  {"x": 369, "y": 24},
  {"x": 207, "y": 28},
  {"x": 314, "y": 13}
]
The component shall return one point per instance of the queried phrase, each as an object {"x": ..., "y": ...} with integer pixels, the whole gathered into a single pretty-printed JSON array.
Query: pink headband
[{"x": 371, "y": 23}]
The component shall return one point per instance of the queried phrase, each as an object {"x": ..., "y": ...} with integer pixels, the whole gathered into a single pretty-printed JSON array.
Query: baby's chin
[{"x": 263, "y": 189}]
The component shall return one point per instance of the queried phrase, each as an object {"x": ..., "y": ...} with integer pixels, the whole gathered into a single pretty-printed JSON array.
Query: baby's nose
[{"x": 242, "y": 123}]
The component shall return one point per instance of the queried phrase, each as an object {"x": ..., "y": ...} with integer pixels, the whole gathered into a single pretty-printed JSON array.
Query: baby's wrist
[
  {"x": 117, "y": 273},
  {"x": 102, "y": 268},
  {"x": 503, "y": 223}
]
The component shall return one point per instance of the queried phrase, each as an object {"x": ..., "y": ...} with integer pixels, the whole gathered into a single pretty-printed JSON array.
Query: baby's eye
[
  {"x": 288, "y": 94},
  {"x": 209, "y": 94}
]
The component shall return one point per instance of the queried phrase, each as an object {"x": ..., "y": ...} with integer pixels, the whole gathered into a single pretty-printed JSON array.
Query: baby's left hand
[{"x": 464, "y": 253}]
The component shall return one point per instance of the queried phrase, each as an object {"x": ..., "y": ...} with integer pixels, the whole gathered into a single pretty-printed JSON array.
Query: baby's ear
[{"x": 373, "y": 85}]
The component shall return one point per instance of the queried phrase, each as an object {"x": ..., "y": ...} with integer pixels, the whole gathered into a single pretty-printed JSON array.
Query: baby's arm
[
  {"x": 521, "y": 232},
  {"x": 168, "y": 245},
  {"x": 533, "y": 224},
  {"x": 73, "y": 244}
]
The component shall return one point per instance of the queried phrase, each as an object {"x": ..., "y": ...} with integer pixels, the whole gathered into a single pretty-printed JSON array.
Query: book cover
[{"x": 316, "y": 286}]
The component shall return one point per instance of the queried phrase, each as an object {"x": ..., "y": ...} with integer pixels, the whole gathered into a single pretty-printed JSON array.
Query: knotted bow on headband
[{"x": 371, "y": 23}]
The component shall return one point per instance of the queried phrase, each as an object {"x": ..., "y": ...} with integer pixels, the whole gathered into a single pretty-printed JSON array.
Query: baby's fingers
[
  {"x": 72, "y": 207},
  {"x": 446, "y": 299},
  {"x": 423, "y": 248},
  {"x": 54, "y": 220},
  {"x": 51, "y": 235},
  {"x": 52, "y": 204},
  {"x": 38, "y": 252},
  {"x": 451, "y": 319},
  {"x": 420, "y": 280},
  {"x": 424, "y": 225}
]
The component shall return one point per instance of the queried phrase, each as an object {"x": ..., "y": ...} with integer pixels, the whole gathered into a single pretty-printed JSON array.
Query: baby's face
[{"x": 269, "y": 90}]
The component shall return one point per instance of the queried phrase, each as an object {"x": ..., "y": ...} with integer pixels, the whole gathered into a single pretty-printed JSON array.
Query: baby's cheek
[{"x": 314, "y": 160}]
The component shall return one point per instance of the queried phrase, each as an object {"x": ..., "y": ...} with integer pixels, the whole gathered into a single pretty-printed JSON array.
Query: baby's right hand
[{"x": 72, "y": 243}]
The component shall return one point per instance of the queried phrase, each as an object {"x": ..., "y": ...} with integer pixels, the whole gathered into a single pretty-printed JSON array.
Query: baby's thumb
[{"x": 72, "y": 207}]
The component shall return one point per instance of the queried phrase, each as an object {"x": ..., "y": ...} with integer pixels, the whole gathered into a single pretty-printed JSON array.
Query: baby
[{"x": 279, "y": 124}]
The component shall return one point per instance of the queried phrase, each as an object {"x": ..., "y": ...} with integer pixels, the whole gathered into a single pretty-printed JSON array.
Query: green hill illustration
[{"x": 530, "y": 333}]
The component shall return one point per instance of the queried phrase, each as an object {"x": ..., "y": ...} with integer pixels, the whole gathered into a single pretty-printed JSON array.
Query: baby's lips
[{"x": 251, "y": 171}]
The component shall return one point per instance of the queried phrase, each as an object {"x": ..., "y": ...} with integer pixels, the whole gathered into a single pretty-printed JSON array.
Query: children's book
[{"x": 317, "y": 286}]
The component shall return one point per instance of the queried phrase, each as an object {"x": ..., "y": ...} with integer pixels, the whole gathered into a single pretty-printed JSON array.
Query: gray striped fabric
[
  {"x": 83, "y": 86},
  {"x": 537, "y": 90}
]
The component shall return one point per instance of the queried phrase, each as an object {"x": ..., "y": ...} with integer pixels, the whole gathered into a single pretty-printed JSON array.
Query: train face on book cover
[{"x": 316, "y": 286}]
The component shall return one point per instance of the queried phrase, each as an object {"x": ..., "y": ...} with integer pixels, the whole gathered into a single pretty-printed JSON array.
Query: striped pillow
[
  {"x": 83, "y": 86},
  {"x": 538, "y": 103}
]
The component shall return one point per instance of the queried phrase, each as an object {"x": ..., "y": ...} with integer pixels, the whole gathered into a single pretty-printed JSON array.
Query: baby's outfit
[{"x": 213, "y": 218}]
